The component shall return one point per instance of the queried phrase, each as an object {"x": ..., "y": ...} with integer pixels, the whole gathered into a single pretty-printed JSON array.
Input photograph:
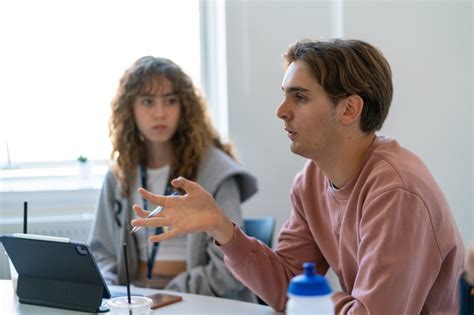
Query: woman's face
[{"x": 157, "y": 113}]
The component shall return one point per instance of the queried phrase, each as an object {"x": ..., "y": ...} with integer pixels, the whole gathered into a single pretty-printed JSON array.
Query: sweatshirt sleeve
[
  {"x": 214, "y": 278},
  {"x": 266, "y": 272},
  {"x": 398, "y": 257},
  {"x": 104, "y": 233}
]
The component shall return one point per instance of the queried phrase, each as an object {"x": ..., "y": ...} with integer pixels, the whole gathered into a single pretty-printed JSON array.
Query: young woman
[{"x": 160, "y": 130}]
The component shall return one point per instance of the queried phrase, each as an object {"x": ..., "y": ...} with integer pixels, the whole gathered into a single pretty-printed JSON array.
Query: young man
[{"x": 362, "y": 205}]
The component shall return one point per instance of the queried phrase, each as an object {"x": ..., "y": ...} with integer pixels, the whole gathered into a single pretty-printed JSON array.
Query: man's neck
[{"x": 342, "y": 164}]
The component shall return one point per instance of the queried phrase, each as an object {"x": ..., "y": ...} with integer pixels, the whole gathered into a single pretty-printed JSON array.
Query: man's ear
[{"x": 351, "y": 109}]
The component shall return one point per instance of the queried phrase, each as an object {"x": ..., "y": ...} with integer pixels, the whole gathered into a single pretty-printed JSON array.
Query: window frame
[{"x": 33, "y": 176}]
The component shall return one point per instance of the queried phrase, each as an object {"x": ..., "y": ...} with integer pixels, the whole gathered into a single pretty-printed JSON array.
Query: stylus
[{"x": 151, "y": 214}]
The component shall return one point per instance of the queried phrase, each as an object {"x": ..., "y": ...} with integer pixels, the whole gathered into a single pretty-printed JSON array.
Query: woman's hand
[{"x": 194, "y": 212}]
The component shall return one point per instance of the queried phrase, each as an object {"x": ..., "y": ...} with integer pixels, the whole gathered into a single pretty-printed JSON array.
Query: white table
[{"x": 191, "y": 304}]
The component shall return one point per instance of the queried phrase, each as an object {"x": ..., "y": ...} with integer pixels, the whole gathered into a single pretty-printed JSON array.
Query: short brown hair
[{"x": 349, "y": 67}]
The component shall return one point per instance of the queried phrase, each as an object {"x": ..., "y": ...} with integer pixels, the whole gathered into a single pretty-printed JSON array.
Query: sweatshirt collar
[{"x": 345, "y": 191}]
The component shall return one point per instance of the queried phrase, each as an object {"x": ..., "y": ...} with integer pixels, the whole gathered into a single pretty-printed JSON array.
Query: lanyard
[{"x": 159, "y": 230}]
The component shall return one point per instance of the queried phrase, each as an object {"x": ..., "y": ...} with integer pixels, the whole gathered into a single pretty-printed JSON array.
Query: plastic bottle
[{"x": 309, "y": 293}]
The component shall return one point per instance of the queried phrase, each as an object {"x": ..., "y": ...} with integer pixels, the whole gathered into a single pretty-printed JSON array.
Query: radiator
[{"x": 76, "y": 227}]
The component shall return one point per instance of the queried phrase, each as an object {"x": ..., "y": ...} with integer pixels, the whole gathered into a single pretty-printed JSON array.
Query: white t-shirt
[{"x": 171, "y": 250}]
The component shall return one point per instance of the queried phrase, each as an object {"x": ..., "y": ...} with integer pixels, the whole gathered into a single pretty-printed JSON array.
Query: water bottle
[{"x": 309, "y": 293}]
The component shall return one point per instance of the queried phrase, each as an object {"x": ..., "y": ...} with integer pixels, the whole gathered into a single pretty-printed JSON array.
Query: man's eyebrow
[{"x": 293, "y": 89}]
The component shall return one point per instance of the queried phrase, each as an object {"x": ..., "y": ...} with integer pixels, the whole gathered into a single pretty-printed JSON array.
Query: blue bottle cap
[{"x": 309, "y": 283}]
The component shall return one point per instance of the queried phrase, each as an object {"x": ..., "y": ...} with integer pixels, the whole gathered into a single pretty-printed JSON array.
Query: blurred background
[{"x": 61, "y": 61}]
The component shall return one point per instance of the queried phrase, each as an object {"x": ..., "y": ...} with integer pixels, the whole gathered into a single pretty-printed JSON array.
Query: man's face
[{"x": 309, "y": 115}]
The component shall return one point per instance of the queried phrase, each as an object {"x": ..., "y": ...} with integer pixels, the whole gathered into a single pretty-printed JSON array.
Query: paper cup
[{"x": 139, "y": 305}]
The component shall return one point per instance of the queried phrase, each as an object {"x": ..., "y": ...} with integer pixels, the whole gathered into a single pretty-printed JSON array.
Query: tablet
[{"x": 56, "y": 272}]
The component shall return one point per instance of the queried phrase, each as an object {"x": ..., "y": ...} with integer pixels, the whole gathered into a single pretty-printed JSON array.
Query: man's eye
[{"x": 300, "y": 97}]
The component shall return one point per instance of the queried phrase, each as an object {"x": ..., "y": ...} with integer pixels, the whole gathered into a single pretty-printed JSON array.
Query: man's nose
[{"x": 283, "y": 111}]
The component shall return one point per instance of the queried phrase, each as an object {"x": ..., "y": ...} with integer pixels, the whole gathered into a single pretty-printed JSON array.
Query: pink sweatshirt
[{"x": 388, "y": 234}]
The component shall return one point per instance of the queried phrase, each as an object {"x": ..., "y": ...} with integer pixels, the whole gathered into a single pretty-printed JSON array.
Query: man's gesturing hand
[{"x": 194, "y": 212}]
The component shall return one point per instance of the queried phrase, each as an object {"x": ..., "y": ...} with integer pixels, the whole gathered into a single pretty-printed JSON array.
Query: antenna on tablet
[{"x": 25, "y": 217}]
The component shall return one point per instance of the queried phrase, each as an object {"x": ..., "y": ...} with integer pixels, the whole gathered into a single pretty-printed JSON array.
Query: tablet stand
[{"x": 60, "y": 294}]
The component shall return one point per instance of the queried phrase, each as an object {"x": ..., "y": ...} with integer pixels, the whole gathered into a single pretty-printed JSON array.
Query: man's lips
[
  {"x": 289, "y": 130},
  {"x": 291, "y": 133}
]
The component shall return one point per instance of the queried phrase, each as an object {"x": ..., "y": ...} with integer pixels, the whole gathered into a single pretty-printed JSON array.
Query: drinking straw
[{"x": 126, "y": 273}]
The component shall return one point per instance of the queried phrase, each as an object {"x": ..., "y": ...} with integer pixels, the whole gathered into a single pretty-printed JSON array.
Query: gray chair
[
  {"x": 466, "y": 289},
  {"x": 261, "y": 228}
]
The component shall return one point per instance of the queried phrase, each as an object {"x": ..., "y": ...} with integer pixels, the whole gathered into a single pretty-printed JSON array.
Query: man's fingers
[
  {"x": 155, "y": 199},
  {"x": 183, "y": 183},
  {"x": 139, "y": 211},
  {"x": 163, "y": 236},
  {"x": 151, "y": 222}
]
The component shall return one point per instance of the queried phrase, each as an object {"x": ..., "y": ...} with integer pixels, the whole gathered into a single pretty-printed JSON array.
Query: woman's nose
[{"x": 159, "y": 110}]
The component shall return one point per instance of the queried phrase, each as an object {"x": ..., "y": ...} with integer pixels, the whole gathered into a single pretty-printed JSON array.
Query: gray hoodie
[{"x": 206, "y": 273}]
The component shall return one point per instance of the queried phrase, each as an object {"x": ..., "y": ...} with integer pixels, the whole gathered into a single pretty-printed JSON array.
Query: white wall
[
  {"x": 257, "y": 34},
  {"x": 429, "y": 46}
]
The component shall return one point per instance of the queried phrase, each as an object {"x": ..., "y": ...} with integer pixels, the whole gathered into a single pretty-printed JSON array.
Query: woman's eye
[
  {"x": 147, "y": 102},
  {"x": 171, "y": 100}
]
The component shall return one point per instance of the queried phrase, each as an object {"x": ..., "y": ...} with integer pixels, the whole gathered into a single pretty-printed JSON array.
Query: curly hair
[
  {"x": 347, "y": 67},
  {"x": 193, "y": 136}
]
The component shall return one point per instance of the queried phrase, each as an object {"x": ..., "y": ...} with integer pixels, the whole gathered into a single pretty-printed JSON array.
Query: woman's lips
[{"x": 160, "y": 128}]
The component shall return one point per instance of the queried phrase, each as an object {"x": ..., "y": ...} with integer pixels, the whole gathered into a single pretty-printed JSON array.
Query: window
[{"x": 60, "y": 64}]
